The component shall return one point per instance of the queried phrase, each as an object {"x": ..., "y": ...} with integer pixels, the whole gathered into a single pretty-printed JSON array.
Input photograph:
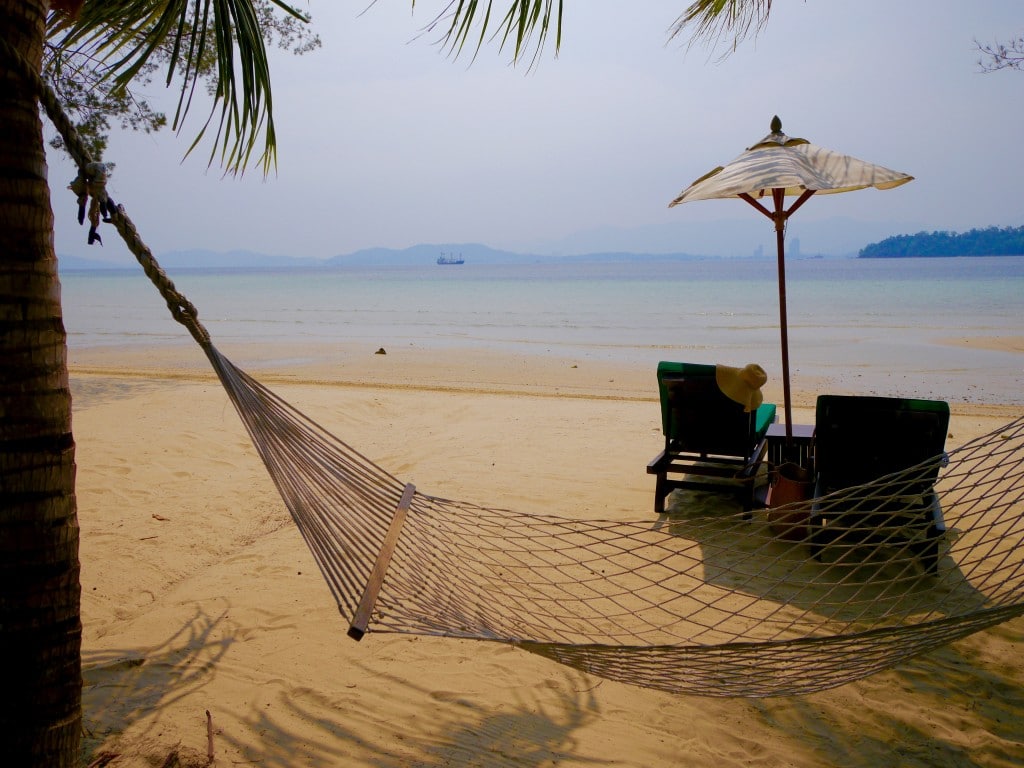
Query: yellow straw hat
[{"x": 742, "y": 384}]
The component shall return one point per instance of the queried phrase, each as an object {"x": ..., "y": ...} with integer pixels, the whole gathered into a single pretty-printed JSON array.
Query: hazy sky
[{"x": 383, "y": 141}]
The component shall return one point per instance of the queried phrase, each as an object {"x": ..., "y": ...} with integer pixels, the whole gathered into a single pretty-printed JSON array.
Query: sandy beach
[{"x": 199, "y": 595}]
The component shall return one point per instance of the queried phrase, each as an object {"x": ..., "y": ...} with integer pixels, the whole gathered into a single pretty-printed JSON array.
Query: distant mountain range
[
  {"x": 197, "y": 259},
  {"x": 476, "y": 253},
  {"x": 417, "y": 255}
]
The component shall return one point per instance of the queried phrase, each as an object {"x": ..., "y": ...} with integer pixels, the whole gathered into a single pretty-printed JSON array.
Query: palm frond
[
  {"x": 711, "y": 21},
  {"x": 525, "y": 25},
  {"x": 125, "y": 34}
]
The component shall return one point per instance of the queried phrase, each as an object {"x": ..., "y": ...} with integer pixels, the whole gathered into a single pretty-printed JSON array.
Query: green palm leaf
[
  {"x": 525, "y": 21},
  {"x": 220, "y": 36},
  {"x": 713, "y": 20}
]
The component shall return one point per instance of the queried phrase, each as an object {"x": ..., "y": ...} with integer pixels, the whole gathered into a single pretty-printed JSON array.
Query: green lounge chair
[
  {"x": 877, "y": 460},
  {"x": 710, "y": 440}
]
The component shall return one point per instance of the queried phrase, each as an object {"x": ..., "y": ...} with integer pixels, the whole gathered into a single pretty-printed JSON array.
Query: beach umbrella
[{"x": 778, "y": 167}]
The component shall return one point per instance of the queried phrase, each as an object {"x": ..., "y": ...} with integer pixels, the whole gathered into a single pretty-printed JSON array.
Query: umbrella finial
[{"x": 776, "y": 125}]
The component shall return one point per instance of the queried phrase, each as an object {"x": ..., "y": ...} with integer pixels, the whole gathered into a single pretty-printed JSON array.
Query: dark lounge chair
[
  {"x": 711, "y": 441},
  {"x": 877, "y": 460}
]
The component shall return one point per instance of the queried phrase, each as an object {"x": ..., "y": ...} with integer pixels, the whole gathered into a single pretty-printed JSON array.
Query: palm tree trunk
[{"x": 40, "y": 624}]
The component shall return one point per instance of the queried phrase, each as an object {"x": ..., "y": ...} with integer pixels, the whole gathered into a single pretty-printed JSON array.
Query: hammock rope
[
  {"x": 695, "y": 601},
  {"x": 720, "y": 604}
]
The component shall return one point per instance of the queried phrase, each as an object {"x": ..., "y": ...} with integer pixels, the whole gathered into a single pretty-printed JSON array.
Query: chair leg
[
  {"x": 820, "y": 538},
  {"x": 660, "y": 492},
  {"x": 928, "y": 552},
  {"x": 747, "y": 500}
]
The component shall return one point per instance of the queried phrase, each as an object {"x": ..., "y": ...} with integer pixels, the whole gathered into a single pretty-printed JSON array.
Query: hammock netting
[
  {"x": 707, "y": 603},
  {"x": 712, "y": 604}
]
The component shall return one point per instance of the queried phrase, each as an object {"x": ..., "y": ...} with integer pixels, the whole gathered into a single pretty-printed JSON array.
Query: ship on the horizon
[{"x": 442, "y": 259}]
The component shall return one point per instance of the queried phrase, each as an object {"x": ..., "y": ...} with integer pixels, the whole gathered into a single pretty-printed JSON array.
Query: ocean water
[{"x": 885, "y": 324}]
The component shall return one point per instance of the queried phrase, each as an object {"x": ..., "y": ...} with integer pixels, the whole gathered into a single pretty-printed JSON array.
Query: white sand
[{"x": 199, "y": 594}]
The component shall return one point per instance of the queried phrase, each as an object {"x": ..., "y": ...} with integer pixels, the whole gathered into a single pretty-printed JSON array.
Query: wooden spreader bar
[{"x": 361, "y": 620}]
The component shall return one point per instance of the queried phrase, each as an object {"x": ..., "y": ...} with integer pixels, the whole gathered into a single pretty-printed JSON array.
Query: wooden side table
[{"x": 799, "y": 451}]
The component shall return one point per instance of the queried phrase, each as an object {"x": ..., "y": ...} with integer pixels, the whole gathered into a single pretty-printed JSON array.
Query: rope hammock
[{"x": 717, "y": 605}]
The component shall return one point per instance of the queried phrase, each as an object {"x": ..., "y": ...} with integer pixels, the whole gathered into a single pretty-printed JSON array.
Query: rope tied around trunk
[{"x": 90, "y": 188}]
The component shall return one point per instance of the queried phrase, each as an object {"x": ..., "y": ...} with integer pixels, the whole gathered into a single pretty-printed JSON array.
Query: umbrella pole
[{"x": 779, "y": 216}]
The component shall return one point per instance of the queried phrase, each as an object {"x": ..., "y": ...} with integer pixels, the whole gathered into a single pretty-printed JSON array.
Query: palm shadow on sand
[{"x": 318, "y": 727}]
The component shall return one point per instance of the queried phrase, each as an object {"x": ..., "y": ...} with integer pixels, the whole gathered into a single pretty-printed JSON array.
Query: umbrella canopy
[{"x": 778, "y": 167}]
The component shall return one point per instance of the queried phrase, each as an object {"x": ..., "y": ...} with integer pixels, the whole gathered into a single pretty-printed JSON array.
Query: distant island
[{"x": 993, "y": 241}]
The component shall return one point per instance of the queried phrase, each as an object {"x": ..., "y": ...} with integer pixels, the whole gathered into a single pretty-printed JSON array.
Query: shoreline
[{"x": 455, "y": 371}]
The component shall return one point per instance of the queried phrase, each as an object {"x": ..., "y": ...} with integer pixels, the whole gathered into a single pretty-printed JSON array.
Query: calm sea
[{"x": 884, "y": 323}]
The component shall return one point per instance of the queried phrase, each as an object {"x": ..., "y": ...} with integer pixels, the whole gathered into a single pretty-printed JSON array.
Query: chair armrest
[
  {"x": 763, "y": 418},
  {"x": 654, "y": 464}
]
